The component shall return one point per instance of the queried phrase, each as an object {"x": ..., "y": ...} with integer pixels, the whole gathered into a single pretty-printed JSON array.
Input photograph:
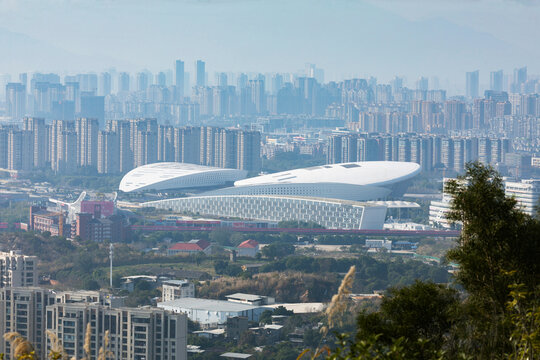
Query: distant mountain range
[{"x": 343, "y": 37}]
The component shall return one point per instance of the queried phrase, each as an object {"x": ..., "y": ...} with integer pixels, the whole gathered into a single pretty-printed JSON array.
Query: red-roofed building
[
  {"x": 248, "y": 248},
  {"x": 192, "y": 247}
]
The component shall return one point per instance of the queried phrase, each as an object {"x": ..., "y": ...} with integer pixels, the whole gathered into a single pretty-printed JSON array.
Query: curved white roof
[
  {"x": 377, "y": 173},
  {"x": 172, "y": 175}
]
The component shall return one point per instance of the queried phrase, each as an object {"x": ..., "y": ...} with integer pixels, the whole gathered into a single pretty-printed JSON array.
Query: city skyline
[{"x": 233, "y": 36}]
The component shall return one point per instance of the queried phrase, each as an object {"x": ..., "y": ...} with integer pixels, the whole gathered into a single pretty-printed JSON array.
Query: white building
[
  {"x": 211, "y": 313},
  {"x": 177, "y": 289},
  {"x": 255, "y": 300},
  {"x": 379, "y": 244},
  {"x": 357, "y": 181},
  {"x": 329, "y": 213},
  {"x": 170, "y": 175},
  {"x": 17, "y": 269},
  {"x": 526, "y": 192}
]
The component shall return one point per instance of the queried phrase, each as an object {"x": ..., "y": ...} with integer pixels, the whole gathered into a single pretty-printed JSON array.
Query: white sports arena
[
  {"x": 335, "y": 196},
  {"x": 358, "y": 181},
  {"x": 171, "y": 175}
]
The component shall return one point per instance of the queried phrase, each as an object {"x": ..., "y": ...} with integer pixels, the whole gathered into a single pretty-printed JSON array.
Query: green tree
[
  {"x": 422, "y": 314},
  {"x": 499, "y": 246},
  {"x": 277, "y": 250}
]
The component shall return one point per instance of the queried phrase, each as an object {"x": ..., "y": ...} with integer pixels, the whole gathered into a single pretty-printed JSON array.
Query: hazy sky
[{"x": 345, "y": 37}]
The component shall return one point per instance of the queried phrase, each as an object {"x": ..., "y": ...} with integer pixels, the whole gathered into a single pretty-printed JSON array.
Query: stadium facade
[{"x": 329, "y": 213}]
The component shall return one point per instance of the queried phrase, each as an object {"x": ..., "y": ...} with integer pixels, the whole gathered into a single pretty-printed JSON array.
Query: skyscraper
[
  {"x": 200, "y": 73},
  {"x": 179, "y": 79},
  {"x": 39, "y": 136},
  {"x": 473, "y": 84},
  {"x": 496, "y": 80}
]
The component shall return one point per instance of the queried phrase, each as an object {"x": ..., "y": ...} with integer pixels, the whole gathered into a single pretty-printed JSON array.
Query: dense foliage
[{"x": 498, "y": 314}]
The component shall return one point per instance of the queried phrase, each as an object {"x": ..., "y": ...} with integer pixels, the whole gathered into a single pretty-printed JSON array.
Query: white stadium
[
  {"x": 358, "y": 181},
  {"x": 171, "y": 175},
  {"x": 335, "y": 196}
]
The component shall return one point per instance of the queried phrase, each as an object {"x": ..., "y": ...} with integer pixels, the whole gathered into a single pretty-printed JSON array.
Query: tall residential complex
[
  {"x": 473, "y": 84},
  {"x": 179, "y": 79},
  {"x": 200, "y": 72},
  {"x": 134, "y": 333},
  {"x": 17, "y": 269},
  {"x": 496, "y": 80}
]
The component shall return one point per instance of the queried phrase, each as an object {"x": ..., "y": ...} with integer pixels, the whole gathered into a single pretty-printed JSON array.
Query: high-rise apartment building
[
  {"x": 17, "y": 269},
  {"x": 473, "y": 84},
  {"x": 20, "y": 150},
  {"x": 36, "y": 126},
  {"x": 179, "y": 79},
  {"x": 15, "y": 100},
  {"x": 87, "y": 141},
  {"x": 105, "y": 84},
  {"x": 496, "y": 80},
  {"x": 22, "y": 310},
  {"x": 108, "y": 154},
  {"x": 134, "y": 333},
  {"x": 123, "y": 82},
  {"x": 200, "y": 71}
]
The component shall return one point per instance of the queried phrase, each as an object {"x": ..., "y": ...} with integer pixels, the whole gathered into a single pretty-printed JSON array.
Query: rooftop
[
  {"x": 206, "y": 305},
  {"x": 356, "y": 173}
]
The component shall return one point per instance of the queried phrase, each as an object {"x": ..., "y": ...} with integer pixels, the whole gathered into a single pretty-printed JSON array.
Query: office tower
[
  {"x": 87, "y": 140},
  {"x": 15, "y": 100},
  {"x": 108, "y": 154},
  {"x": 496, "y": 80},
  {"x": 200, "y": 72},
  {"x": 17, "y": 269},
  {"x": 249, "y": 151},
  {"x": 123, "y": 82},
  {"x": 143, "y": 333},
  {"x": 179, "y": 79},
  {"x": 105, "y": 84},
  {"x": 422, "y": 84},
  {"x": 36, "y": 126},
  {"x": 22, "y": 310},
  {"x": 473, "y": 79},
  {"x": 161, "y": 79}
]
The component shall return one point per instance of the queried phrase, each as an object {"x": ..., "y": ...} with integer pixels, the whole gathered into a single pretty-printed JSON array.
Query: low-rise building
[
  {"x": 248, "y": 248},
  {"x": 255, "y": 300},
  {"x": 526, "y": 192},
  {"x": 211, "y": 313},
  {"x": 192, "y": 247},
  {"x": 379, "y": 244},
  {"x": 177, "y": 289}
]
